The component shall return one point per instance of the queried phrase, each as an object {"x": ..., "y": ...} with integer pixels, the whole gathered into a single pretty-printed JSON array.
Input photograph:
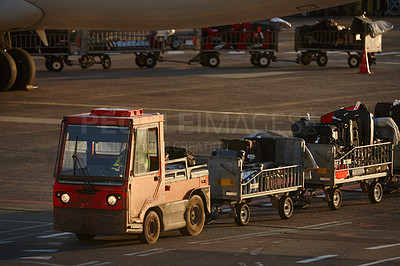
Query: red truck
[{"x": 112, "y": 176}]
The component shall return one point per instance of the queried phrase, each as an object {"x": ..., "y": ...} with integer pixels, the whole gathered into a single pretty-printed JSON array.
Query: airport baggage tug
[{"x": 315, "y": 41}]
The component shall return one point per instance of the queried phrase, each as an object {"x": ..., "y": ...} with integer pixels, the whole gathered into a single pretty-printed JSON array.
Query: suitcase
[{"x": 364, "y": 121}]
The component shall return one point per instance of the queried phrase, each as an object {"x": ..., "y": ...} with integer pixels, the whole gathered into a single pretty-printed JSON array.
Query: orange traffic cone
[{"x": 364, "y": 68}]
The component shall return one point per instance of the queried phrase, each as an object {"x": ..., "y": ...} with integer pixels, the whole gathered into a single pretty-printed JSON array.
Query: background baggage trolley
[
  {"x": 259, "y": 40},
  {"x": 314, "y": 41},
  {"x": 272, "y": 167}
]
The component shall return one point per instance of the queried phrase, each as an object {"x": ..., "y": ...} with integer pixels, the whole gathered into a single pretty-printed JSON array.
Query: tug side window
[{"x": 146, "y": 150}]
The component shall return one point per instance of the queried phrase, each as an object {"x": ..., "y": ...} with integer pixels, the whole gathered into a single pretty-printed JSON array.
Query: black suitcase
[{"x": 364, "y": 121}]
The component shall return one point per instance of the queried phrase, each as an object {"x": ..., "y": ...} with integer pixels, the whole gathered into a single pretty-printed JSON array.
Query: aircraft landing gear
[{"x": 17, "y": 68}]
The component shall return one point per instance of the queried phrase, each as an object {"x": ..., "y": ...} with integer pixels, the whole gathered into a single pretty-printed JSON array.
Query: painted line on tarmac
[
  {"x": 246, "y": 75},
  {"x": 317, "y": 259},
  {"x": 380, "y": 261},
  {"x": 26, "y": 228},
  {"x": 30, "y": 120},
  {"x": 158, "y": 109},
  {"x": 27, "y": 201},
  {"x": 383, "y": 246},
  {"x": 143, "y": 252},
  {"x": 54, "y": 235},
  {"x": 244, "y": 236},
  {"x": 155, "y": 252},
  {"x": 42, "y": 250}
]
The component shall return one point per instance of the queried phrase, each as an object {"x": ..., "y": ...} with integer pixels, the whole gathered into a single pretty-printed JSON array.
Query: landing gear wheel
[
  {"x": 263, "y": 61},
  {"x": 26, "y": 68},
  {"x": 106, "y": 61},
  {"x": 306, "y": 58},
  {"x": 242, "y": 217},
  {"x": 322, "y": 59},
  {"x": 285, "y": 207},
  {"x": 85, "y": 237},
  {"x": 375, "y": 192},
  {"x": 213, "y": 60},
  {"x": 335, "y": 199},
  {"x": 150, "y": 61},
  {"x": 54, "y": 63},
  {"x": 8, "y": 72},
  {"x": 151, "y": 228},
  {"x": 194, "y": 216},
  {"x": 354, "y": 61}
]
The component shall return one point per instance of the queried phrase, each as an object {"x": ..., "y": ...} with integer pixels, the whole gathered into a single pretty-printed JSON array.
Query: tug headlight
[
  {"x": 113, "y": 199},
  {"x": 65, "y": 198}
]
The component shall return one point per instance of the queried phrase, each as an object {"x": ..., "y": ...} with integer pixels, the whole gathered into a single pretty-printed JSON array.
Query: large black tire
[
  {"x": 26, "y": 68},
  {"x": 263, "y": 61},
  {"x": 54, "y": 64},
  {"x": 139, "y": 60},
  {"x": 8, "y": 72},
  {"x": 322, "y": 59},
  {"x": 242, "y": 216},
  {"x": 375, "y": 192},
  {"x": 195, "y": 217},
  {"x": 285, "y": 207},
  {"x": 354, "y": 61},
  {"x": 85, "y": 237},
  {"x": 151, "y": 228},
  {"x": 335, "y": 199},
  {"x": 105, "y": 61}
]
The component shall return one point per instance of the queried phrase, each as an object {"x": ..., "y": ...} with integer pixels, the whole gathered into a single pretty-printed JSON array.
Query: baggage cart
[
  {"x": 91, "y": 45},
  {"x": 272, "y": 168},
  {"x": 314, "y": 41},
  {"x": 369, "y": 165},
  {"x": 260, "y": 41}
]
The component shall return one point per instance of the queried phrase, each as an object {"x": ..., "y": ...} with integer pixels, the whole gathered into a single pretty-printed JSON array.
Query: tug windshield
[{"x": 94, "y": 151}]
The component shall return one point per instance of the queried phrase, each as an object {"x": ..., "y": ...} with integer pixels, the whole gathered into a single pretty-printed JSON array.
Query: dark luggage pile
[
  {"x": 238, "y": 36},
  {"x": 345, "y": 128}
]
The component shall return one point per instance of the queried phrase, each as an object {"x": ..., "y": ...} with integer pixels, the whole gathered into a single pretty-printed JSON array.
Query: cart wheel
[
  {"x": 285, "y": 207},
  {"x": 84, "y": 61},
  {"x": 253, "y": 60},
  {"x": 139, "y": 60},
  {"x": 306, "y": 58},
  {"x": 194, "y": 216},
  {"x": 213, "y": 60},
  {"x": 8, "y": 72},
  {"x": 174, "y": 43},
  {"x": 54, "y": 64},
  {"x": 242, "y": 217},
  {"x": 150, "y": 61},
  {"x": 85, "y": 237},
  {"x": 354, "y": 61},
  {"x": 375, "y": 192},
  {"x": 263, "y": 61},
  {"x": 371, "y": 59},
  {"x": 106, "y": 62},
  {"x": 151, "y": 228},
  {"x": 322, "y": 59},
  {"x": 335, "y": 199}
]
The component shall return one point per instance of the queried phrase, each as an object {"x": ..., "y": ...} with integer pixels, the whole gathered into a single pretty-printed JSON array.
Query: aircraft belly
[
  {"x": 165, "y": 14},
  {"x": 17, "y": 14}
]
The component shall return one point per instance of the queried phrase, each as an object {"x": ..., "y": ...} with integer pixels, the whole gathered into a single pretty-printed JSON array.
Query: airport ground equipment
[
  {"x": 112, "y": 177},
  {"x": 259, "y": 40},
  {"x": 349, "y": 146},
  {"x": 315, "y": 41},
  {"x": 93, "y": 47},
  {"x": 254, "y": 167}
]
